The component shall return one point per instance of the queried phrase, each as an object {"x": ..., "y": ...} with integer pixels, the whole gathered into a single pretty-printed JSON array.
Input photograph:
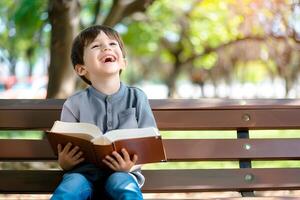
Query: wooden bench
[{"x": 208, "y": 114}]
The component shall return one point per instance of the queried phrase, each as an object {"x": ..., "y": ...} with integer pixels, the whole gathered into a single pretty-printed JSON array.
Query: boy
[{"x": 98, "y": 57}]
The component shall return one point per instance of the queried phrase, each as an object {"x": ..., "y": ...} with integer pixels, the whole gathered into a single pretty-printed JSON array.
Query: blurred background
[
  {"x": 238, "y": 49},
  {"x": 175, "y": 49}
]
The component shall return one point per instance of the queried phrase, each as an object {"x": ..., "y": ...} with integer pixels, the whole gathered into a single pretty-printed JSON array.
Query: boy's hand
[
  {"x": 118, "y": 163},
  {"x": 68, "y": 158}
]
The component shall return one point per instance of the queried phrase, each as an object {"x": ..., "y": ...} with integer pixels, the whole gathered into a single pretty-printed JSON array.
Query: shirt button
[
  {"x": 109, "y": 110},
  {"x": 109, "y": 124},
  {"x": 109, "y": 98}
]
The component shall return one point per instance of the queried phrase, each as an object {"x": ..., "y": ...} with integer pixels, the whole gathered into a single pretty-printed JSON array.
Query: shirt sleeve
[
  {"x": 144, "y": 113},
  {"x": 67, "y": 115}
]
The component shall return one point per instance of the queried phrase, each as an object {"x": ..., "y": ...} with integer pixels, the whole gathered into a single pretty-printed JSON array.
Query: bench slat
[
  {"x": 190, "y": 149},
  {"x": 228, "y": 119},
  {"x": 199, "y": 115},
  {"x": 28, "y": 119},
  {"x": 231, "y": 149},
  {"x": 221, "y": 179},
  {"x": 164, "y": 104},
  {"x": 26, "y": 150},
  {"x": 197, "y": 180},
  {"x": 29, "y": 181},
  {"x": 171, "y": 120}
]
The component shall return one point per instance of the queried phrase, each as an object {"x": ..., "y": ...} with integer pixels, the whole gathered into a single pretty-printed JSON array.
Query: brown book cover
[
  {"x": 146, "y": 145},
  {"x": 148, "y": 149}
]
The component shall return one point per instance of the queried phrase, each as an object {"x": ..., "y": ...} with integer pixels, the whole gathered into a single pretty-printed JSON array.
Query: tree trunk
[
  {"x": 121, "y": 9},
  {"x": 12, "y": 69},
  {"x": 171, "y": 81},
  {"x": 29, "y": 55},
  {"x": 64, "y": 19}
]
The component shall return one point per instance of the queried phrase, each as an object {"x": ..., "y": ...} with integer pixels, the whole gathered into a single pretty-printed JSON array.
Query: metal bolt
[
  {"x": 247, "y": 146},
  {"x": 246, "y": 117},
  {"x": 248, "y": 177}
]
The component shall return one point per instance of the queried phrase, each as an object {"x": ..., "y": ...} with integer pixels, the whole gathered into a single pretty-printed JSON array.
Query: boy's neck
[{"x": 108, "y": 87}]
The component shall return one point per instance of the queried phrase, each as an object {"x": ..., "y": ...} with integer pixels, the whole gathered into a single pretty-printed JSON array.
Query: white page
[
  {"x": 76, "y": 128},
  {"x": 101, "y": 140},
  {"x": 121, "y": 134}
]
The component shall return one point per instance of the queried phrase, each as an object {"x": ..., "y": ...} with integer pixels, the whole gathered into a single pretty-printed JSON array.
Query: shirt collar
[{"x": 120, "y": 93}]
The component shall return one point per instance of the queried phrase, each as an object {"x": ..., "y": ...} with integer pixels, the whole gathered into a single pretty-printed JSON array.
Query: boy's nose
[{"x": 105, "y": 48}]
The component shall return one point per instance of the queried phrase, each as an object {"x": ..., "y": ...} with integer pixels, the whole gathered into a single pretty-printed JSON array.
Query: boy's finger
[
  {"x": 59, "y": 148},
  {"x": 67, "y": 147},
  {"x": 126, "y": 155},
  {"x": 118, "y": 157},
  {"x": 113, "y": 161},
  {"x": 135, "y": 158},
  {"x": 79, "y": 161},
  {"x": 110, "y": 159},
  {"x": 78, "y": 155},
  {"x": 73, "y": 151},
  {"x": 109, "y": 164}
]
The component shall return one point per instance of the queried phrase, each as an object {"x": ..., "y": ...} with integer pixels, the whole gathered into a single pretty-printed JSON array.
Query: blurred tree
[
  {"x": 209, "y": 39},
  {"x": 271, "y": 27},
  {"x": 202, "y": 40},
  {"x": 185, "y": 32},
  {"x": 22, "y": 31},
  {"x": 65, "y": 20}
]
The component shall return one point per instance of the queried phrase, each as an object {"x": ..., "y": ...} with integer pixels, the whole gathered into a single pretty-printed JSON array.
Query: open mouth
[{"x": 108, "y": 59}]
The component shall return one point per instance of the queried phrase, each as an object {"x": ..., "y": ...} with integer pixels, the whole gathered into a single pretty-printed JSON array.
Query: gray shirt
[{"x": 127, "y": 108}]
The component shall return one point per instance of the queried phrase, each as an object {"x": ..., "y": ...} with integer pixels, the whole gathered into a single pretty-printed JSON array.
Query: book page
[
  {"x": 101, "y": 140},
  {"x": 79, "y": 129},
  {"x": 121, "y": 134},
  {"x": 78, "y": 135}
]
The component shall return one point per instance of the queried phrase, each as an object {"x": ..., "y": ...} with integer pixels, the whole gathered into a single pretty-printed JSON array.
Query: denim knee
[
  {"x": 73, "y": 186},
  {"x": 121, "y": 185}
]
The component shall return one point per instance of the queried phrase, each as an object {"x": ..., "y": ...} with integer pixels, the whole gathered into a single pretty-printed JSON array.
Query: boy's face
[{"x": 102, "y": 58}]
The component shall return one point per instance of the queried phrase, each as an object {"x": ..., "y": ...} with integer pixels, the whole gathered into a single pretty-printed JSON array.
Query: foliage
[
  {"x": 21, "y": 134},
  {"x": 210, "y": 36},
  {"x": 25, "y": 36}
]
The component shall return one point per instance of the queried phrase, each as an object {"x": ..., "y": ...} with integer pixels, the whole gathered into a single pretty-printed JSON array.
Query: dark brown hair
[{"x": 86, "y": 37}]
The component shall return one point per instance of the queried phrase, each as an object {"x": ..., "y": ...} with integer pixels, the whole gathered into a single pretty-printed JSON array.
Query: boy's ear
[{"x": 80, "y": 70}]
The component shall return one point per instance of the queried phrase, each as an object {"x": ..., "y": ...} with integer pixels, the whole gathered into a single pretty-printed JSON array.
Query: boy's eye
[
  {"x": 95, "y": 46},
  {"x": 113, "y": 43}
]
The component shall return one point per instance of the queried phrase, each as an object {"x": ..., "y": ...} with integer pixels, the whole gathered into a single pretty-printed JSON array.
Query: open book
[{"x": 146, "y": 143}]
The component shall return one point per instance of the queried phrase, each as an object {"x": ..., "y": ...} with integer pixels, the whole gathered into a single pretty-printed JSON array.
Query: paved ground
[{"x": 206, "y": 195}]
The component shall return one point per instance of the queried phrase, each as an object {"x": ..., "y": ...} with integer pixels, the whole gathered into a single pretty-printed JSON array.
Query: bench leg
[{"x": 245, "y": 163}]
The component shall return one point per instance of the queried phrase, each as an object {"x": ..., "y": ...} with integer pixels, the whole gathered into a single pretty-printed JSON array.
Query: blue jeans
[{"x": 119, "y": 185}]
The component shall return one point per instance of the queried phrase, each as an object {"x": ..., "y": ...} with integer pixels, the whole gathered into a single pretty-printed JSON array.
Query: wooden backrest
[
  {"x": 210, "y": 114},
  {"x": 172, "y": 115}
]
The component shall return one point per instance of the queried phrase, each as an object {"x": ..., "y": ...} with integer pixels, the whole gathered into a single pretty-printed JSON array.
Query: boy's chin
[
  {"x": 111, "y": 71},
  {"x": 111, "y": 64}
]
